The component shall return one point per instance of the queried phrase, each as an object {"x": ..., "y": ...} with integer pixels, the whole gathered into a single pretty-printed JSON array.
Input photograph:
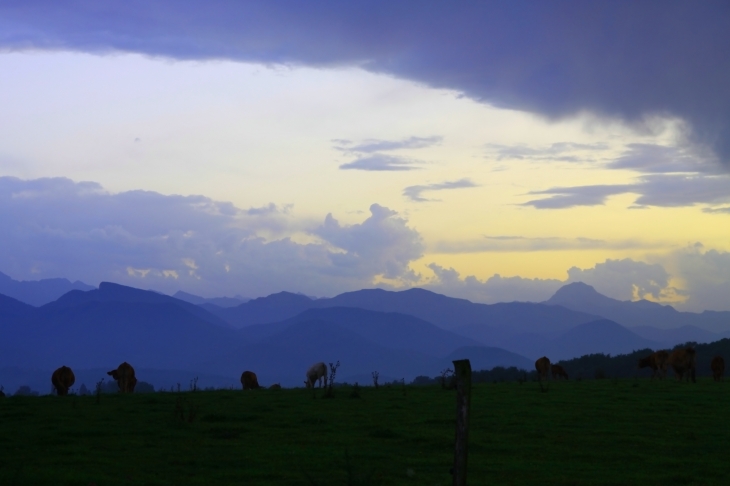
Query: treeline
[
  {"x": 592, "y": 366},
  {"x": 625, "y": 365}
]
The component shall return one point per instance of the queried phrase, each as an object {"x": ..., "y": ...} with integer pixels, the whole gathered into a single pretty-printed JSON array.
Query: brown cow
[
  {"x": 63, "y": 379},
  {"x": 249, "y": 381},
  {"x": 542, "y": 366},
  {"x": 657, "y": 361},
  {"x": 718, "y": 368},
  {"x": 275, "y": 386},
  {"x": 124, "y": 374},
  {"x": 684, "y": 362},
  {"x": 558, "y": 372}
]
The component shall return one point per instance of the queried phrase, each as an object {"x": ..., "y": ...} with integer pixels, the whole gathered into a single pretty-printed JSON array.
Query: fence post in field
[{"x": 462, "y": 373}]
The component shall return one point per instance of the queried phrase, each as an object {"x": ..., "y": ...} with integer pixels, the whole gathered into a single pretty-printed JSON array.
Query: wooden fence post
[{"x": 462, "y": 373}]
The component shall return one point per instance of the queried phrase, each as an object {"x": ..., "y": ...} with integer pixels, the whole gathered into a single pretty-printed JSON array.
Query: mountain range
[{"x": 399, "y": 334}]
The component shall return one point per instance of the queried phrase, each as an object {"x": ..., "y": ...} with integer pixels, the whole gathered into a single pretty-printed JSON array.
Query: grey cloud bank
[
  {"x": 663, "y": 190},
  {"x": 619, "y": 59},
  {"x": 167, "y": 242}
]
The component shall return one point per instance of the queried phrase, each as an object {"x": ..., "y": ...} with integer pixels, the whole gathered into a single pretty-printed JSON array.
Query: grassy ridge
[{"x": 588, "y": 432}]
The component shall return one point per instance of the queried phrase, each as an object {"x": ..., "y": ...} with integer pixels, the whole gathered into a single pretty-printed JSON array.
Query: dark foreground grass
[{"x": 588, "y": 432}]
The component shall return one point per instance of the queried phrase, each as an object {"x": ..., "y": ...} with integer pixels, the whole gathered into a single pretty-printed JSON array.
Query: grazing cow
[
  {"x": 316, "y": 372},
  {"x": 275, "y": 386},
  {"x": 558, "y": 372},
  {"x": 63, "y": 379},
  {"x": 249, "y": 381},
  {"x": 657, "y": 361},
  {"x": 542, "y": 366},
  {"x": 124, "y": 375},
  {"x": 718, "y": 368},
  {"x": 684, "y": 362}
]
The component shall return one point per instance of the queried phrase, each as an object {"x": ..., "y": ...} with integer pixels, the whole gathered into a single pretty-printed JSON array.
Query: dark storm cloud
[
  {"x": 625, "y": 59},
  {"x": 652, "y": 190},
  {"x": 380, "y": 162},
  {"x": 414, "y": 192}
]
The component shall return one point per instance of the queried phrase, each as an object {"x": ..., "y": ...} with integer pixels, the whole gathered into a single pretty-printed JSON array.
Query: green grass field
[{"x": 588, "y": 432}]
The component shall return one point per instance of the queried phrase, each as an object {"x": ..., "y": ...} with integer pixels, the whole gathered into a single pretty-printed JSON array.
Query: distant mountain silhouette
[
  {"x": 285, "y": 356},
  {"x": 602, "y": 336},
  {"x": 111, "y": 292},
  {"x": 486, "y": 358},
  {"x": 217, "y": 301},
  {"x": 389, "y": 329},
  {"x": 92, "y": 334},
  {"x": 11, "y": 308},
  {"x": 584, "y": 298},
  {"x": 38, "y": 292},
  {"x": 670, "y": 337},
  {"x": 399, "y": 334},
  {"x": 273, "y": 308},
  {"x": 105, "y": 326}
]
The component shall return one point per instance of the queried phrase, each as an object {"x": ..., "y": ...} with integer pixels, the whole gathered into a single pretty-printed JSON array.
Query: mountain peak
[{"x": 579, "y": 293}]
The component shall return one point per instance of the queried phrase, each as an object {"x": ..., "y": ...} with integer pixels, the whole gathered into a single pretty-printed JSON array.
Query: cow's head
[
  {"x": 114, "y": 374},
  {"x": 308, "y": 384}
]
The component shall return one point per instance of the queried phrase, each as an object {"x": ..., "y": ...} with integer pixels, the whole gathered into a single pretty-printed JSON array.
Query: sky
[{"x": 493, "y": 151}]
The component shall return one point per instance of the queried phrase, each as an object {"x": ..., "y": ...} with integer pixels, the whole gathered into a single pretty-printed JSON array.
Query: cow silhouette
[
  {"x": 63, "y": 379},
  {"x": 657, "y": 361},
  {"x": 124, "y": 375},
  {"x": 542, "y": 366},
  {"x": 558, "y": 372},
  {"x": 316, "y": 372},
  {"x": 249, "y": 381},
  {"x": 684, "y": 363}
]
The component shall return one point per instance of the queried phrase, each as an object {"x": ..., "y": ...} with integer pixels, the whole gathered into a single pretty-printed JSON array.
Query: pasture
[{"x": 608, "y": 431}]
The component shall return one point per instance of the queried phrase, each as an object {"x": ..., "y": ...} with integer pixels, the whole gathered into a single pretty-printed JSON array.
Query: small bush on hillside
[
  {"x": 329, "y": 393},
  {"x": 25, "y": 391}
]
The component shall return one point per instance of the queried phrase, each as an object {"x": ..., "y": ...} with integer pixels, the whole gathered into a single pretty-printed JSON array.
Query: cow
[
  {"x": 542, "y": 366},
  {"x": 718, "y": 368},
  {"x": 316, "y": 372},
  {"x": 657, "y": 361},
  {"x": 275, "y": 386},
  {"x": 63, "y": 379},
  {"x": 124, "y": 375},
  {"x": 684, "y": 362},
  {"x": 249, "y": 381},
  {"x": 558, "y": 372}
]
